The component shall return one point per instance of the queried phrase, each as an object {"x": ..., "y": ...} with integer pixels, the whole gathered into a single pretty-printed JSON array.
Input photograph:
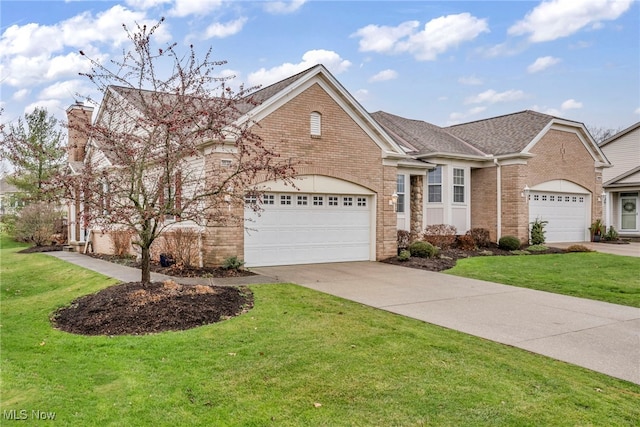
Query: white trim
[
  {"x": 560, "y": 186},
  {"x": 314, "y": 184}
]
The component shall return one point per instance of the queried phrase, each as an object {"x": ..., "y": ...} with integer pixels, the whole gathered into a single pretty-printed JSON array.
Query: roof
[
  {"x": 620, "y": 134},
  {"x": 420, "y": 137},
  {"x": 506, "y": 134},
  {"x": 614, "y": 182}
]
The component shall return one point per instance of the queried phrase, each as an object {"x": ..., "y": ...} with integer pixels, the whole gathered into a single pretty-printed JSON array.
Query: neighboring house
[
  {"x": 364, "y": 176},
  {"x": 622, "y": 181},
  {"x": 8, "y": 201}
]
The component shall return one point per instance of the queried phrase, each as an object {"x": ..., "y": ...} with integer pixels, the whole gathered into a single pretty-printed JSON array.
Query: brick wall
[
  {"x": 342, "y": 151},
  {"x": 483, "y": 200}
]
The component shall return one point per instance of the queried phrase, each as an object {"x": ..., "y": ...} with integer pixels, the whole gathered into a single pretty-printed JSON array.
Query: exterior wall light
[{"x": 394, "y": 201}]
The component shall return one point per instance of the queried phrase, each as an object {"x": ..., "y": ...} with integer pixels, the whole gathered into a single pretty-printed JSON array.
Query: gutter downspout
[{"x": 498, "y": 199}]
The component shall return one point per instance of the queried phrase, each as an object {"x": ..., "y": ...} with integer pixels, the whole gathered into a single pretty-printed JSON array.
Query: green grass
[
  {"x": 271, "y": 366},
  {"x": 598, "y": 276}
]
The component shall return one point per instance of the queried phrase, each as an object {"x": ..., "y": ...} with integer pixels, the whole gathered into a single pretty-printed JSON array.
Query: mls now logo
[{"x": 23, "y": 414}]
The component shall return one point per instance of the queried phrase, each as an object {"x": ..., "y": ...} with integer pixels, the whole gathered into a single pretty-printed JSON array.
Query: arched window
[{"x": 316, "y": 124}]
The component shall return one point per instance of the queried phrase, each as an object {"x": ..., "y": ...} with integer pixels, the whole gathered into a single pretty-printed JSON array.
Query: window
[
  {"x": 552, "y": 198},
  {"x": 269, "y": 199},
  {"x": 581, "y": 199},
  {"x": 362, "y": 201},
  {"x": 285, "y": 200},
  {"x": 251, "y": 199},
  {"x": 400, "y": 193},
  {"x": 458, "y": 185},
  {"x": 333, "y": 200},
  {"x": 318, "y": 200},
  {"x": 302, "y": 200},
  {"x": 316, "y": 124},
  {"x": 536, "y": 197},
  {"x": 434, "y": 185},
  {"x": 544, "y": 197},
  {"x": 574, "y": 199},
  {"x": 347, "y": 201}
]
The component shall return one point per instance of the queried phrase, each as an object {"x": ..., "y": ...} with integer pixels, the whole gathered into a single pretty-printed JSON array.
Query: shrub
[
  {"x": 423, "y": 250},
  {"x": 404, "y": 255},
  {"x": 404, "y": 239},
  {"x": 537, "y": 231},
  {"x": 181, "y": 244},
  {"x": 578, "y": 248},
  {"x": 121, "y": 241},
  {"x": 520, "y": 252},
  {"x": 440, "y": 235},
  {"x": 232, "y": 263},
  {"x": 537, "y": 248},
  {"x": 480, "y": 236},
  {"x": 509, "y": 243},
  {"x": 36, "y": 224},
  {"x": 466, "y": 242},
  {"x": 611, "y": 235}
]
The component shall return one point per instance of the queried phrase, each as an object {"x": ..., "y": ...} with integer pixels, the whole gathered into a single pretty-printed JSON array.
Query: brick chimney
[{"x": 79, "y": 118}]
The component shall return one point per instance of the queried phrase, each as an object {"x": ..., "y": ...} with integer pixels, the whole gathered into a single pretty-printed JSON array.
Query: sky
[{"x": 444, "y": 62}]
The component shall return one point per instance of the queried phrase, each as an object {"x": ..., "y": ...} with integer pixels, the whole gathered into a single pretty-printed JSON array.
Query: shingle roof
[
  {"x": 421, "y": 137},
  {"x": 504, "y": 134}
]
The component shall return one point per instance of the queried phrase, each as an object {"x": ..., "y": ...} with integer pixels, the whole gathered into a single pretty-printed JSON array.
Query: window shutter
[{"x": 316, "y": 124}]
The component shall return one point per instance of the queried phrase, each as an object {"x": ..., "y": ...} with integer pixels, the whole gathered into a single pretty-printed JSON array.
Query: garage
[
  {"x": 308, "y": 228},
  {"x": 567, "y": 215}
]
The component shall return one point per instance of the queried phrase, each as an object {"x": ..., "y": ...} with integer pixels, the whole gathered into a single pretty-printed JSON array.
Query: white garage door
[
  {"x": 567, "y": 215},
  {"x": 307, "y": 229}
]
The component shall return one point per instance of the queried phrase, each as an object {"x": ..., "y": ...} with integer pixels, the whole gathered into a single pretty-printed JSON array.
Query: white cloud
[
  {"x": 184, "y": 8},
  {"x": 542, "y": 63},
  {"x": 492, "y": 97},
  {"x": 470, "y": 80},
  {"x": 21, "y": 94},
  {"x": 145, "y": 4},
  {"x": 383, "y": 39},
  {"x": 437, "y": 36},
  {"x": 384, "y": 75},
  {"x": 361, "y": 95},
  {"x": 554, "y": 19},
  {"x": 570, "y": 104},
  {"x": 220, "y": 30},
  {"x": 637, "y": 111},
  {"x": 331, "y": 60},
  {"x": 457, "y": 117},
  {"x": 53, "y": 106},
  {"x": 283, "y": 7},
  {"x": 65, "y": 90}
]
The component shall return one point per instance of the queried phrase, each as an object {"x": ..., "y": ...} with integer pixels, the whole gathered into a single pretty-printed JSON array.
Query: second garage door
[
  {"x": 308, "y": 228},
  {"x": 567, "y": 215}
]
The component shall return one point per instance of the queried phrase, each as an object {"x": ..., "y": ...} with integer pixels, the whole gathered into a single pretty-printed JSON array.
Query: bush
[
  {"x": 232, "y": 263},
  {"x": 121, "y": 241},
  {"x": 537, "y": 231},
  {"x": 611, "y": 235},
  {"x": 466, "y": 242},
  {"x": 537, "y": 248},
  {"x": 404, "y": 255},
  {"x": 423, "y": 250},
  {"x": 404, "y": 239},
  {"x": 181, "y": 244},
  {"x": 481, "y": 237},
  {"x": 520, "y": 252},
  {"x": 36, "y": 224},
  {"x": 578, "y": 248},
  {"x": 509, "y": 243},
  {"x": 440, "y": 235}
]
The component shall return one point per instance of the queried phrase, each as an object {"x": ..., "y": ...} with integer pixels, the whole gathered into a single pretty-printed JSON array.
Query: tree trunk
[{"x": 146, "y": 265}]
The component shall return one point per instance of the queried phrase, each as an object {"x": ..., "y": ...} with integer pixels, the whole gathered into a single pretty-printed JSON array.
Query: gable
[{"x": 623, "y": 151}]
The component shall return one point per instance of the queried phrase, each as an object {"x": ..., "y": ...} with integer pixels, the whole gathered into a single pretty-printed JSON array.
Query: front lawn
[
  {"x": 593, "y": 275},
  {"x": 299, "y": 357}
]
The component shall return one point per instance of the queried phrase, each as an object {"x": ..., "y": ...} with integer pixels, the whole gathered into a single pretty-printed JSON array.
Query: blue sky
[{"x": 444, "y": 62}]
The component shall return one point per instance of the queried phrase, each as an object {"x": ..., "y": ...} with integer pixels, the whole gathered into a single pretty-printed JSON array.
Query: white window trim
[{"x": 463, "y": 185}]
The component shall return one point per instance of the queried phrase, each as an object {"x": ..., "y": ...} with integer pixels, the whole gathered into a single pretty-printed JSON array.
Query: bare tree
[
  {"x": 35, "y": 149},
  {"x": 145, "y": 166},
  {"x": 601, "y": 134}
]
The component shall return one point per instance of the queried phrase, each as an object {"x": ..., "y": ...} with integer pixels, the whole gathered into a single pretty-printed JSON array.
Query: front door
[{"x": 629, "y": 215}]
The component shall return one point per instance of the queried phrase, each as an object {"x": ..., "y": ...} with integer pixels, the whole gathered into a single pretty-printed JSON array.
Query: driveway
[
  {"x": 630, "y": 249},
  {"x": 596, "y": 335}
]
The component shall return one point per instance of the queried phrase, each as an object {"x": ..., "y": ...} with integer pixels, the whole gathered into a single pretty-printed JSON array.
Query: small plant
[
  {"x": 481, "y": 236},
  {"x": 597, "y": 229},
  {"x": 404, "y": 239},
  {"x": 509, "y": 243},
  {"x": 578, "y": 248},
  {"x": 404, "y": 255},
  {"x": 423, "y": 250},
  {"x": 466, "y": 242},
  {"x": 537, "y": 231},
  {"x": 537, "y": 248},
  {"x": 612, "y": 234},
  {"x": 440, "y": 235},
  {"x": 232, "y": 263}
]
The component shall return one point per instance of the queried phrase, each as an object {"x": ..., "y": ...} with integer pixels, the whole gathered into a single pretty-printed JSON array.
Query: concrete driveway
[
  {"x": 596, "y": 335},
  {"x": 630, "y": 249}
]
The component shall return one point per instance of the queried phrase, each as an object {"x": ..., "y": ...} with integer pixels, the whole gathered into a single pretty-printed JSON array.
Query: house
[
  {"x": 9, "y": 203},
  {"x": 622, "y": 181},
  {"x": 364, "y": 176}
]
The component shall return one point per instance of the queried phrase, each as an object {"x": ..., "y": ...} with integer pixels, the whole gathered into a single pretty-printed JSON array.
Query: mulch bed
[
  {"x": 36, "y": 249},
  {"x": 138, "y": 308}
]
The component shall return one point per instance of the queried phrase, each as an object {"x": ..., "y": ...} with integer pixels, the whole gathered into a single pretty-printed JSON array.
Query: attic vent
[{"x": 316, "y": 124}]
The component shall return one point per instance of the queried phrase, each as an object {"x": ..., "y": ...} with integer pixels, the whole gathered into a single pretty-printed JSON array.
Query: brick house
[
  {"x": 622, "y": 181},
  {"x": 364, "y": 176}
]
